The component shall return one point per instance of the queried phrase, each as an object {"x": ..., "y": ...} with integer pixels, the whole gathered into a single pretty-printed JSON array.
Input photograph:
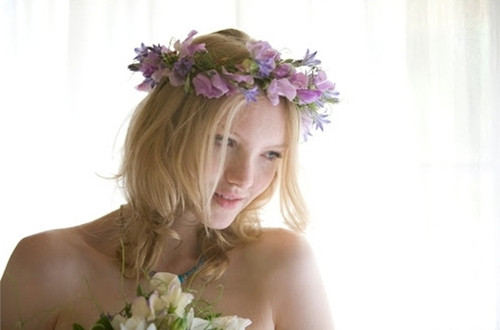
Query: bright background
[{"x": 404, "y": 185}]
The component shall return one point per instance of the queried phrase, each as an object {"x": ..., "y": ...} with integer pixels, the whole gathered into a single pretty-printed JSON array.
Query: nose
[{"x": 239, "y": 171}]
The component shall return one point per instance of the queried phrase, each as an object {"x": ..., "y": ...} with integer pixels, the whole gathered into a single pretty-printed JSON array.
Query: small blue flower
[
  {"x": 183, "y": 66},
  {"x": 320, "y": 120},
  {"x": 309, "y": 59},
  {"x": 250, "y": 94}
]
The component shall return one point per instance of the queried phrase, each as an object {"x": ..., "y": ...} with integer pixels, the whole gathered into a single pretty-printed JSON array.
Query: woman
[{"x": 205, "y": 150}]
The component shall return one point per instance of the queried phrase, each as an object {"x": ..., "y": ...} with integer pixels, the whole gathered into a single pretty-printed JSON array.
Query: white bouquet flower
[{"x": 165, "y": 307}]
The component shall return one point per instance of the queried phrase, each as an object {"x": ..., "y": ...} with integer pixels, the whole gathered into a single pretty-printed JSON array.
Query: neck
[{"x": 181, "y": 255}]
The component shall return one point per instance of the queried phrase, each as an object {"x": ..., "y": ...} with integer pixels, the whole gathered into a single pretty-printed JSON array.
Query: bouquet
[{"x": 165, "y": 307}]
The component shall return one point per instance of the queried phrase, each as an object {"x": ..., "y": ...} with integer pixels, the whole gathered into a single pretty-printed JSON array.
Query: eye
[
  {"x": 273, "y": 155},
  {"x": 219, "y": 138}
]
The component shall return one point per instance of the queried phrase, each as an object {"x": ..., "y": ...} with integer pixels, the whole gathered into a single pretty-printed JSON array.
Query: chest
[
  {"x": 231, "y": 296},
  {"x": 92, "y": 297},
  {"x": 241, "y": 295}
]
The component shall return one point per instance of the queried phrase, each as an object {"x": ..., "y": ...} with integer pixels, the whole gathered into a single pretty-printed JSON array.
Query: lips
[{"x": 227, "y": 201}]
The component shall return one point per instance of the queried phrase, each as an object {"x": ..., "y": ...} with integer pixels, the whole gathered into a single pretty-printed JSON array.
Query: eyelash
[{"x": 270, "y": 155}]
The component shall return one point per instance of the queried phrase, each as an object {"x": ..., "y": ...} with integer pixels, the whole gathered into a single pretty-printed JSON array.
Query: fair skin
[{"x": 63, "y": 276}]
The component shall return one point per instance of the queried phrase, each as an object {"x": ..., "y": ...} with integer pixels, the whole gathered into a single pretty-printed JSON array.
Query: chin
[
  {"x": 219, "y": 225},
  {"x": 220, "y": 222}
]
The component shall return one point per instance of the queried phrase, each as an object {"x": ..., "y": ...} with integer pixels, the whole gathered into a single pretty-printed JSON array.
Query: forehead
[{"x": 262, "y": 120}]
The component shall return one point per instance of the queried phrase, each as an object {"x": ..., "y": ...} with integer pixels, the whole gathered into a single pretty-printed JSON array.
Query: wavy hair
[{"x": 168, "y": 142}]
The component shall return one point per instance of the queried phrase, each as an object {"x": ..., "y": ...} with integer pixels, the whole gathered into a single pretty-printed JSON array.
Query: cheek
[
  {"x": 213, "y": 168},
  {"x": 265, "y": 176}
]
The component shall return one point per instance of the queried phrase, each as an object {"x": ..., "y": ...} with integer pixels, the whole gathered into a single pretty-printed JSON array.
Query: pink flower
[
  {"x": 283, "y": 70},
  {"x": 322, "y": 83},
  {"x": 210, "y": 85},
  {"x": 307, "y": 96},
  {"x": 185, "y": 48},
  {"x": 264, "y": 56},
  {"x": 280, "y": 87},
  {"x": 238, "y": 77},
  {"x": 158, "y": 75},
  {"x": 300, "y": 80}
]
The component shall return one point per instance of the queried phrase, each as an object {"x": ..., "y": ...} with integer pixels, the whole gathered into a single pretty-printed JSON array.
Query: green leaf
[
  {"x": 139, "y": 291},
  {"x": 103, "y": 324},
  {"x": 187, "y": 84},
  {"x": 179, "y": 324}
]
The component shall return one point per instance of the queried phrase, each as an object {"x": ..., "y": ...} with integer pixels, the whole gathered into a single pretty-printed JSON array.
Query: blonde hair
[{"x": 166, "y": 149}]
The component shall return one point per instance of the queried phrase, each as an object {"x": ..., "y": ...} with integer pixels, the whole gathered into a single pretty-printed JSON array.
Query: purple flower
[
  {"x": 306, "y": 124},
  {"x": 159, "y": 74},
  {"x": 149, "y": 63},
  {"x": 185, "y": 48},
  {"x": 320, "y": 119},
  {"x": 264, "y": 56},
  {"x": 307, "y": 96},
  {"x": 238, "y": 78},
  {"x": 309, "y": 59},
  {"x": 280, "y": 87},
  {"x": 322, "y": 83},
  {"x": 147, "y": 85},
  {"x": 250, "y": 94},
  {"x": 181, "y": 68},
  {"x": 283, "y": 70},
  {"x": 210, "y": 85},
  {"x": 300, "y": 80},
  {"x": 312, "y": 120},
  {"x": 141, "y": 51}
]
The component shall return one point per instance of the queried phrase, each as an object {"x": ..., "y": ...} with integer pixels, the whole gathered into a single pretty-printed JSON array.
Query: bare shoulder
[
  {"x": 58, "y": 254},
  {"x": 43, "y": 254},
  {"x": 45, "y": 271},
  {"x": 282, "y": 248},
  {"x": 36, "y": 277},
  {"x": 285, "y": 263}
]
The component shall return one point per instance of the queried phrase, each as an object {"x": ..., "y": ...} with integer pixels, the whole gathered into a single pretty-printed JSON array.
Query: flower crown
[{"x": 190, "y": 65}]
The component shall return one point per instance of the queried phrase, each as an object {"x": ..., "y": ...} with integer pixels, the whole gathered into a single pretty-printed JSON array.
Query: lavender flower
[
  {"x": 309, "y": 59},
  {"x": 284, "y": 70},
  {"x": 280, "y": 87},
  {"x": 190, "y": 65},
  {"x": 319, "y": 120},
  {"x": 264, "y": 56},
  {"x": 237, "y": 78},
  {"x": 180, "y": 70},
  {"x": 250, "y": 94},
  {"x": 306, "y": 96},
  {"x": 186, "y": 48},
  {"x": 211, "y": 85},
  {"x": 141, "y": 51},
  {"x": 322, "y": 83}
]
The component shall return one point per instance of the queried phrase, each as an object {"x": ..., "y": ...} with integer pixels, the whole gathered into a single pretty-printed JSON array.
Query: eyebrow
[
  {"x": 282, "y": 146},
  {"x": 278, "y": 146}
]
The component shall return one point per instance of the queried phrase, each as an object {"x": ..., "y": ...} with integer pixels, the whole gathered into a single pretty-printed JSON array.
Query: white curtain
[{"x": 403, "y": 185}]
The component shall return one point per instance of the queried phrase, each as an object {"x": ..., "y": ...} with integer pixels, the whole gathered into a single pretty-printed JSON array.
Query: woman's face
[{"x": 255, "y": 146}]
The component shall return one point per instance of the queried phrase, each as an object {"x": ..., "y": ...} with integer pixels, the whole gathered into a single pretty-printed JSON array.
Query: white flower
[
  {"x": 140, "y": 308},
  {"x": 231, "y": 323},
  {"x": 133, "y": 323},
  {"x": 223, "y": 322},
  {"x": 170, "y": 292},
  {"x": 199, "y": 324},
  {"x": 165, "y": 306},
  {"x": 165, "y": 282},
  {"x": 140, "y": 311}
]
